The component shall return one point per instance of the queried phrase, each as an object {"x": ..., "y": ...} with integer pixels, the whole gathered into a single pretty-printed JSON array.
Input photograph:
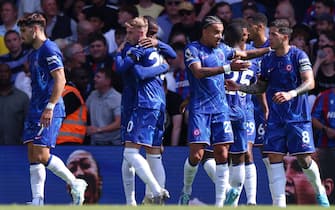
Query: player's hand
[
  {"x": 135, "y": 53},
  {"x": 148, "y": 42},
  {"x": 231, "y": 85},
  {"x": 120, "y": 47},
  {"x": 281, "y": 97},
  {"x": 46, "y": 118},
  {"x": 183, "y": 105},
  {"x": 241, "y": 53},
  {"x": 239, "y": 65}
]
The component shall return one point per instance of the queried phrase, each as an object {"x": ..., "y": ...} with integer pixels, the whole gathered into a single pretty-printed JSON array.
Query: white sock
[
  {"x": 210, "y": 168},
  {"x": 236, "y": 179},
  {"x": 142, "y": 169},
  {"x": 156, "y": 165},
  {"x": 278, "y": 183},
  {"x": 266, "y": 162},
  {"x": 128, "y": 178},
  {"x": 189, "y": 174},
  {"x": 221, "y": 183},
  {"x": 37, "y": 180},
  {"x": 313, "y": 176},
  {"x": 57, "y": 166},
  {"x": 250, "y": 183}
]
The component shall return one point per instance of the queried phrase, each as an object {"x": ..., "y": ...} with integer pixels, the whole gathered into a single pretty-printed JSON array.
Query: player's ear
[{"x": 329, "y": 185}]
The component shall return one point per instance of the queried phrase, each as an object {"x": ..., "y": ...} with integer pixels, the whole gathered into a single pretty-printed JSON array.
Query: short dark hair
[
  {"x": 131, "y": 9},
  {"x": 259, "y": 18},
  {"x": 97, "y": 37},
  {"x": 178, "y": 46},
  {"x": 302, "y": 30},
  {"x": 11, "y": 32},
  {"x": 152, "y": 26},
  {"x": 218, "y": 5},
  {"x": 33, "y": 19},
  {"x": 329, "y": 46},
  {"x": 108, "y": 72},
  {"x": 283, "y": 26},
  {"x": 233, "y": 34}
]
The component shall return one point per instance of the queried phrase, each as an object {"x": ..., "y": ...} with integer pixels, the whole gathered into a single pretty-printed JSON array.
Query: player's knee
[
  {"x": 195, "y": 159},
  {"x": 304, "y": 161},
  {"x": 248, "y": 157}
]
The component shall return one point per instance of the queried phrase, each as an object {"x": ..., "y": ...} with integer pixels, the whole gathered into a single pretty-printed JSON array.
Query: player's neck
[
  {"x": 38, "y": 42},
  {"x": 282, "y": 50},
  {"x": 259, "y": 41}
]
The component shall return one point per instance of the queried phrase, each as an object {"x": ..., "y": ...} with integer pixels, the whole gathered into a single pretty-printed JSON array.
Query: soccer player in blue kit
[
  {"x": 241, "y": 113},
  {"x": 143, "y": 107},
  {"x": 46, "y": 110},
  {"x": 209, "y": 122},
  {"x": 258, "y": 37},
  {"x": 286, "y": 76}
]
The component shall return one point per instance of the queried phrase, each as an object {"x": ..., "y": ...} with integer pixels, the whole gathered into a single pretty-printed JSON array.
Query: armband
[{"x": 50, "y": 106}]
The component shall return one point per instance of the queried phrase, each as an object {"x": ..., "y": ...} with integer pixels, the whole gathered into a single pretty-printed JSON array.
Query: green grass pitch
[{"x": 166, "y": 207}]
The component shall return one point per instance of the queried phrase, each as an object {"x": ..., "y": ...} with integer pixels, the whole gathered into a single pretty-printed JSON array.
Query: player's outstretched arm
[
  {"x": 201, "y": 72},
  {"x": 254, "y": 53},
  {"x": 164, "y": 49},
  {"x": 149, "y": 72},
  {"x": 255, "y": 88},
  {"x": 123, "y": 64}
]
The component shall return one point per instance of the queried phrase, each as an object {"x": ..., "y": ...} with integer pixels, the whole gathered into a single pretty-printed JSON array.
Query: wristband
[
  {"x": 293, "y": 93},
  {"x": 226, "y": 68},
  {"x": 50, "y": 106}
]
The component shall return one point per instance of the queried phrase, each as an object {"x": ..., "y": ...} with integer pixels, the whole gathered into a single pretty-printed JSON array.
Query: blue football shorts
[
  {"x": 41, "y": 136},
  {"x": 240, "y": 144},
  {"x": 145, "y": 127},
  {"x": 293, "y": 138},
  {"x": 209, "y": 129}
]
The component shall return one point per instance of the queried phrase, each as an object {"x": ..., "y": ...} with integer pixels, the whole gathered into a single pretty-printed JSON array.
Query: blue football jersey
[
  {"x": 240, "y": 103},
  {"x": 257, "y": 107},
  {"x": 283, "y": 74},
  {"x": 42, "y": 62},
  {"x": 150, "y": 91},
  {"x": 124, "y": 67},
  {"x": 207, "y": 95}
]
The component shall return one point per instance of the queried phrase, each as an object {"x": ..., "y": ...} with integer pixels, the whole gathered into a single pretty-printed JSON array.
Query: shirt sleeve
[
  {"x": 53, "y": 58},
  {"x": 191, "y": 55},
  {"x": 304, "y": 62}
]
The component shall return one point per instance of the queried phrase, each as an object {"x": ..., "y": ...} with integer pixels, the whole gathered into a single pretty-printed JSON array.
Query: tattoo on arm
[
  {"x": 256, "y": 88},
  {"x": 304, "y": 87},
  {"x": 307, "y": 82}
]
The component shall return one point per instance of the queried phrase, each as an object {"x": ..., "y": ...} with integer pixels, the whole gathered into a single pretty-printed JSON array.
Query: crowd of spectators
[{"x": 89, "y": 32}]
